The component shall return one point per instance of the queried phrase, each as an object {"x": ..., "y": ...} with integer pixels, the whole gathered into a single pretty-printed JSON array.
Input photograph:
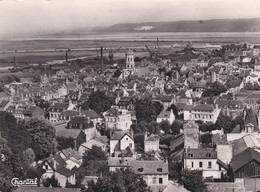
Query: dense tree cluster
[
  {"x": 119, "y": 181},
  {"x": 98, "y": 101},
  {"x": 214, "y": 89},
  {"x": 21, "y": 143},
  {"x": 193, "y": 180},
  {"x": 147, "y": 110}
]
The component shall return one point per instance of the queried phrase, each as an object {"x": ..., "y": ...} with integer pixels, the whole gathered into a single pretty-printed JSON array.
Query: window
[
  {"x": 127, "y": 138},
  {"x": 200, "y": 164},
  {"x": 140, "y": 169},
  {"x": 190, "y": 155},
  {"x": 154, "y": 180},
  {"x": 192, "y": 164},
  {"x": 159, "y": 169},
  {"x": 208, "y": 155},
  {"x": 130, "y": 145},
  {"x": 209, "y": 165},
  {"x": 160, "y": 180}
]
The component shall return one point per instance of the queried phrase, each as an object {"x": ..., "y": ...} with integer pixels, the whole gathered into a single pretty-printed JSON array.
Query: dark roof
[
  {"x": 81, "y": 120},
  {"x": 164, "y": 114},
  {"x": 244, "y": 158},
  {"x": 234, "y": 83},
  {"x": 205, "y": 153},
  {"x": 117, "y": 135},
  {"x": 70, "y": 113},
  {"x": 149, "y": 167},
  {"x": 66, "y": 172},
  {"x": 251, "y": 117},
  {"x": 90, "y": 113},
  {"x": 204, "y": 107}
]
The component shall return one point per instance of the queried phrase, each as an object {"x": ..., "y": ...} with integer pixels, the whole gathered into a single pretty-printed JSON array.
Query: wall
[
  {"x": 225, "y": 153},
  {"x": 125, "y": 142},
  {"x": 150, "y": 181},
  {"x": 151, "y": 146}
]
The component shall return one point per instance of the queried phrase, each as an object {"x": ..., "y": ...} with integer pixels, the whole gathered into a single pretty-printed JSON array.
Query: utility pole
[{"x": 66, "y": 56}]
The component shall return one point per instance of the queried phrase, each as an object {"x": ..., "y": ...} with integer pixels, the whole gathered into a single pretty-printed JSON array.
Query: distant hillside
[{"x": 215, "y": 25}]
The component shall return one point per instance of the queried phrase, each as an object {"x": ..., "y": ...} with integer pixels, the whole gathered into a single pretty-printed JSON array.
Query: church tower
[{"x": 130, "y": 60}]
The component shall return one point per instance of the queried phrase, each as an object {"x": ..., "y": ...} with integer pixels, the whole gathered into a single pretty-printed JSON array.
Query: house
[
  {"x": 151, "y": 143},
  {"x": 94, "y": 117},
  {"x": 246, "y": 164},
  {"x": 118, "y": 119},
  {"x": 203, "y": 112},
  {"x": 166, "y": 100},
  {"x": 56, "y": 110},
  {"x": 119, "y": 162},
  {"x": 127, "y": 103},
  {"x": 100, "y": 141},
  {"x": 153, "y": 172},
  {"x": 84, "y": 124},
  {"x": 120, "y": 141},
  {"x": 166, "y": 116},
  {"x": 78, "y": 135},
  {"x": 72, "y": 157},
  {"x": 206, "y": 160},
  {"x": 68, "y": 115},
  {"x": 234, "y": 85},
  {"x": 34, "y": 111},
  {"x": 56, "y": 166}
]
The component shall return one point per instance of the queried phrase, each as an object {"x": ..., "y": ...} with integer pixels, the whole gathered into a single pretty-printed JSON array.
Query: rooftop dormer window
[
  {"x": 159, "y": 169},
  {"x": 190, "y": 155},
  {"x": 140, "y": 169},
  {"x": 208, "y": 155}
]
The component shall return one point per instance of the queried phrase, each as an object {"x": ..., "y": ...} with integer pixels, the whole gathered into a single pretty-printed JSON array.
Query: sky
[{"x": 54, "y": 15}]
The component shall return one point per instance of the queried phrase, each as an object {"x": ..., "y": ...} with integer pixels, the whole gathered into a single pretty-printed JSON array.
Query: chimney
[
  {"x": 80, "y": 110},
  {"x": 88, "y": 120},
  {"x": 145, "y": 136},
  {"x": 54, "y": 164}
]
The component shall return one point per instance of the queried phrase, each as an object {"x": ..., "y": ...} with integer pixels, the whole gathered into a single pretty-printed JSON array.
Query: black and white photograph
[{"x": 129, "y": 95}]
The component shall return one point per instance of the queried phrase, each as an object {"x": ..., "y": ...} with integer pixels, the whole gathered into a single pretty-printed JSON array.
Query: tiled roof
[
  {"x": 245, "y": 157},
  {"x": 70, "y": 113},
  {"x": 149, "y": 167},
  {"x": 72, "y": 153},
  {"x": 90, "y": 113},
  {"x": 117, "y": 135},
  {"x": 152, "y": 137},
  {"x": 204, "y": 107},
  {"x": 205, "y": 153},
  {"x": 164, "y": 114},
  {"x": 81, "y": 120},
  {"x": 66, "y": 172}
]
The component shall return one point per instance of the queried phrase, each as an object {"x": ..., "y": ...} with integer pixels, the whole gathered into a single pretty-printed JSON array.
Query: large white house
[
  {"x": 206, "y": 160},
  {"x": 118, "y": 119}
]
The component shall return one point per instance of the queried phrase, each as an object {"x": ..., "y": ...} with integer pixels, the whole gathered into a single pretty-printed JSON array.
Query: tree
[
  {"x": 42, "y": 103},
  {"x": 95, "y": 161},
  {"x": 193, "y": 180},
  {"x": 214, "y": 89},
  {"x": 224, "y": 122},
  {"x": 117, "y": 73},
  {"x": 65, "y": 143},
  {"x": 206, "y": 140},
  {"x": 174, "y": 110},
  {"x": 146, "y": 110},
  {"x": 207, "y": 127},
  {"x": 119, "y": 181},
  {"x": 42, "y": 134},
  {"x": 28, "y": 157},
  {"x": 176, "y": 127},
  {"x": 165, "y": 126},
  {"x": 175, "y": 168},
  {"x": 53, "y": 182},
  {"x": 6, "y": 170},
  {"x": 98, "y": 101}
]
